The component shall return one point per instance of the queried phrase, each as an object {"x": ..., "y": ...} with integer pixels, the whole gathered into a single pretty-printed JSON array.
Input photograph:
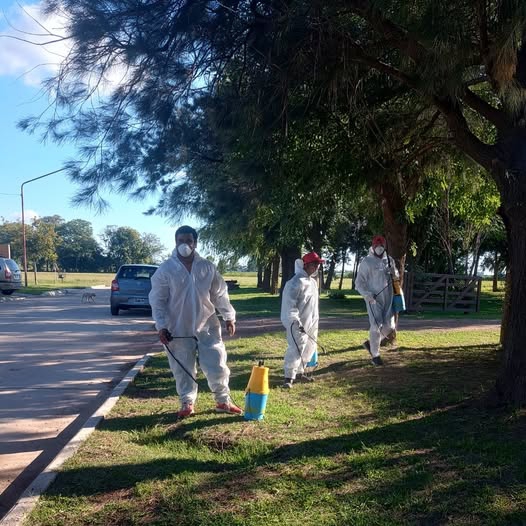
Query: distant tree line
[{"x": 70, "y": 246}]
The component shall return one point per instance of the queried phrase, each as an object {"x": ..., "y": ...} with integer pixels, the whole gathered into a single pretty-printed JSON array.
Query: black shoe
[
  {"x": 304, "y": 378},
  {"x": 377, "y": 361},
  {"x": 287, "y": 384},
  {"x": 367, "y": 345}
]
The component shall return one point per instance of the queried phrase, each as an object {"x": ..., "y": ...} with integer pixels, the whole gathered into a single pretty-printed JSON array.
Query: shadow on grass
[{"x": 446, "y": 466}]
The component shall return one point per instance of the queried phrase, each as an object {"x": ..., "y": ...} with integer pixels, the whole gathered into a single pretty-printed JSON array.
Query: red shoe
[
  {"x": 229, "y": 407},
  {"x": 187, "y": 409}
]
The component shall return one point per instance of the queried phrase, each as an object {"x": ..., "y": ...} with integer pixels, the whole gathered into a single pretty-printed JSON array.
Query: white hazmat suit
[
  {"x": 184, "y": 303},
  {"x": 299, "y": 308},
  {"x": 374, "y": 283}
]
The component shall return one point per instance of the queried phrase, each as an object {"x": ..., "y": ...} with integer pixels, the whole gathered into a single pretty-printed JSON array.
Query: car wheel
[
  {"x": 114, "y": 310},
  {"x": 8, "y": 292}
]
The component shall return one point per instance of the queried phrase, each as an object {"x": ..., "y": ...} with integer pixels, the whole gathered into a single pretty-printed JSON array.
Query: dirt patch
[{"x": 219, "y": 440}]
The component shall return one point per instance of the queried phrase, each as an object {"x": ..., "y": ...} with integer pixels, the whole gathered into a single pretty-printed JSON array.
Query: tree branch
[
  {"x": 363, "y": 58},
  {"x": 482, "y": 153},
  {"x": 402, "y": 40},
  {"x": 424, "y": 149},
  {"x": 493, "y": 115},
  {"x": 482, "y": 18}
]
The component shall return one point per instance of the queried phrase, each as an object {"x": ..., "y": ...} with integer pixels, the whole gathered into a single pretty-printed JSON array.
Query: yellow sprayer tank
[{"x": 256, "y": 393}]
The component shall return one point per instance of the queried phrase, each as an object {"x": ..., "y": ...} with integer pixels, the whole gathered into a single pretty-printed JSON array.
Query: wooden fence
[{"x": 445, "y": 292}]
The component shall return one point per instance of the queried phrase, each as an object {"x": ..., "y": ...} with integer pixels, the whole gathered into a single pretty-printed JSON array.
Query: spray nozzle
[{"x": 261, "y": 363}]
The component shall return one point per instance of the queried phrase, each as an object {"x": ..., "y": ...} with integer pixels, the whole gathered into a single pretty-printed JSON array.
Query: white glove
[{"x": 370, "y": 300}]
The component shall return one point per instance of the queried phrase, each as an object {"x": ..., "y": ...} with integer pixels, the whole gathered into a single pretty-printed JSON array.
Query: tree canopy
[{"x": 268, "y": 118}]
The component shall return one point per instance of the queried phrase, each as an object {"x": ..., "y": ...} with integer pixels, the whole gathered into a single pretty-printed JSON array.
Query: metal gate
[{"x": 445, "y": 292}]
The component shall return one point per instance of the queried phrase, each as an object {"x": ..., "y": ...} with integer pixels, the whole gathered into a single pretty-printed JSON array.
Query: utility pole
[{"x": 23, "y": 219}]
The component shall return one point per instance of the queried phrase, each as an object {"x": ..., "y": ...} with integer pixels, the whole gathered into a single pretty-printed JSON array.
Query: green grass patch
[
  {"x": 72, "y": 280},
  {"x": 251, "y": 302},
  {"x": 406, "y": 444}
]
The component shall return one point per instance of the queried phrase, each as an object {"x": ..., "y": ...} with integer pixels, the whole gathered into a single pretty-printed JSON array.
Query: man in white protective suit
[
  {"x": 374, "y": 283},
  {"x": 186, "y": 291},
  {"x": 300, "y": 317}
]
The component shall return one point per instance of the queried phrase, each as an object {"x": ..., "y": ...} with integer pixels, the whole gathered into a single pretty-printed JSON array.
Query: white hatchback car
[{"x": 10, "y": 276}]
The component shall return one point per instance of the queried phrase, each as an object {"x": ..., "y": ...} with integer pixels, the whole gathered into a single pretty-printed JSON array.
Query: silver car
[
  {"x": 10, "y": 276},
  {"x": 130, "y": 288}
]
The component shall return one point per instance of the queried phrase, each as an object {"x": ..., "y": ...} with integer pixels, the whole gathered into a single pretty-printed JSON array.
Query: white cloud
[
  {"x": 23, "y": 32},
  {"x": 29, "y": 215},
  {"x": 27, "y": 59}
]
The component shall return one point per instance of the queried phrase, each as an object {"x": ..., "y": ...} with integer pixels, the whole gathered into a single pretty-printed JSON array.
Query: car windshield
[
  {"x": 137, "y": 272},
  {"x": 11, "y": 265}
]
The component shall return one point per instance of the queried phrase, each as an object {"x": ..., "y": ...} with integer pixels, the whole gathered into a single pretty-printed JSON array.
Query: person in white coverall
[
  {"x": 186, "y": 291},
  {"x": 300, "y": 317},
  {"x": 374, "y": 283}
]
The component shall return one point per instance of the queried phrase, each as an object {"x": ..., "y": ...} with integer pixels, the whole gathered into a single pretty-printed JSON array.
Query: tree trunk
[
  {"x": 355, "y": 270},
  {"x": 344, "y": 254},
  {"x": 288, "y": 256},
  {"x": 505, "y": 307},
  {"x": 260, "y": 276},
  {"x": 267, "y": 271},
  {"x": 496, "y": 272},
  {"x": 395, "y": 224},
  {"x": 476, "y": 256},
  {"x": 330, "y": 273},
  {"x": 511, "y": 382},
  {"x": 316, "y": 236},
  {"x": 275, "y": 274}
]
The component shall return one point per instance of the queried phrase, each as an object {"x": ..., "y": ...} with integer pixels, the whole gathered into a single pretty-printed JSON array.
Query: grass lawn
[
  {"x": 405, "y": 444},
  {"x": 72, "y": 280}
]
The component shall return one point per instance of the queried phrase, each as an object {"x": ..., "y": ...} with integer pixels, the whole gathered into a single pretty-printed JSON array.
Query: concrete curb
[{"x": 29, "y": 498}]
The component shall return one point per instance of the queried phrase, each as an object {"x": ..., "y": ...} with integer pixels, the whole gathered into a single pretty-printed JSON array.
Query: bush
[{"x": 337, "y": 295}]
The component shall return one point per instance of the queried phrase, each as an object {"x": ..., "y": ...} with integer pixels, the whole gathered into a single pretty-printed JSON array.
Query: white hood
[{"x": 298, "y": 266}]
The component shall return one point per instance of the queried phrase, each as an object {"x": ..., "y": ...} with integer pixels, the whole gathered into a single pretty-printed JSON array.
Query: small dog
[{"x": 88, "y": 297}]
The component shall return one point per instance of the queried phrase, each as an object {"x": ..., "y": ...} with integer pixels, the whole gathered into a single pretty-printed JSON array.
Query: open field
[
  {"x": 411, "y": 443},
  {"x": 72, "y": 280}
]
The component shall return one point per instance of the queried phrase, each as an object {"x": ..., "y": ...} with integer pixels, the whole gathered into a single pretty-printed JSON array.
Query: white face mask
[
  {"x": 184, "y": 250},
  {"x": 379, "y": 250}
]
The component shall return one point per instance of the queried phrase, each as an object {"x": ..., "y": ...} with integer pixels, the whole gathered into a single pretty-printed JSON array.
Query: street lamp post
[{"x": 23, "y": 219}]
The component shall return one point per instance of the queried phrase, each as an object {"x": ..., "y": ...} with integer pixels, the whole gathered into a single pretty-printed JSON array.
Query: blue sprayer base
[
  {"x": 313, "y": 362},
  {"x": 255, "y": 406}
]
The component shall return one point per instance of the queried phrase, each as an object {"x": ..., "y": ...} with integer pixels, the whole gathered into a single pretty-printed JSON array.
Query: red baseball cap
[
  {"x": 379, "y": 240},
  {"x": 312, "y": 257}
]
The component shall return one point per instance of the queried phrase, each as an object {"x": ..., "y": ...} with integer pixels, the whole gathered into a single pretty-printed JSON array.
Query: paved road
[{"x": 59, "y": 359}]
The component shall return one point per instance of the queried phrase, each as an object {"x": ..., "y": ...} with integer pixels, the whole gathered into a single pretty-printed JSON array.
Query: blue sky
[{"x": 24, "y": 157}]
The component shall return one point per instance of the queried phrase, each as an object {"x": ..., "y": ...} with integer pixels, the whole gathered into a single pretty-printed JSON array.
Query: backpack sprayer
[{"x": 398, "y": 295}]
